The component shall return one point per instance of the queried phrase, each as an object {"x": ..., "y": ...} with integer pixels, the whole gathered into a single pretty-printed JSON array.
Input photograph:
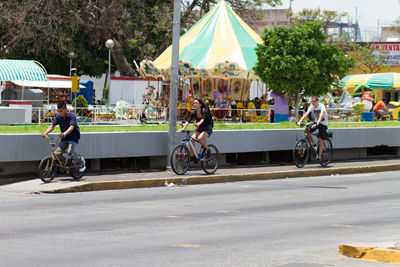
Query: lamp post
[
  {"x": 71, "y": 56},
  {"x": 109, "y": 44}
]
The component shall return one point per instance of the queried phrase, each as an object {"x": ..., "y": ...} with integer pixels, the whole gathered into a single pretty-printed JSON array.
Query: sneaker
[
  {"x": 207, "y": 157},
  {"x": 82, "y": 165}
]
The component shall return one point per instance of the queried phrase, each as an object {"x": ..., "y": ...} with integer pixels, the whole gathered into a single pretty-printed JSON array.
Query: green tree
[
  {"x": 366, "y": 58},
  {"x": 48, "y": 30},
  {"x": 396, "y": 25},
  {"x": 297, "y": 62}
]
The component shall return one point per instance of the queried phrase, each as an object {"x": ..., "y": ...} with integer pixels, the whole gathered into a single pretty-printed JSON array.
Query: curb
[
  {"x": 370, "y": 253},
  {"x": 204, "y": 179}
]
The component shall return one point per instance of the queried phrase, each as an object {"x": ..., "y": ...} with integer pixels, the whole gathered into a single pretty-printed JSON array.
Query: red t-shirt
[{"x": 379, "y": 105}]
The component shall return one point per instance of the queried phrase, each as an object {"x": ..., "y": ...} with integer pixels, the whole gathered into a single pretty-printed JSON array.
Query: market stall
[{"x": 387, "y": 83}]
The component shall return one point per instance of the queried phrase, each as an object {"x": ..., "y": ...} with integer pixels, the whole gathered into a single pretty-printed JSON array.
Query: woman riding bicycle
[{"x": 204, "y": 125}]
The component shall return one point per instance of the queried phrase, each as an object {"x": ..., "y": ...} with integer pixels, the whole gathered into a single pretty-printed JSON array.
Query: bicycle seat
[{"x": 329, "y": 134}]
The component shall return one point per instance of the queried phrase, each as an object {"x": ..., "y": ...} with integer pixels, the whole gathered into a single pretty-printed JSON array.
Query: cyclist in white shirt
[{"x": 320, "y": 117}]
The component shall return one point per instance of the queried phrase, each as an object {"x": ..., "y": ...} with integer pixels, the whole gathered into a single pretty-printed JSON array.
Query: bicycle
[
  {"x": 180, "y": 157},
  {"x": 58, "y": 162},
  {"x": 303, "y": 148}
]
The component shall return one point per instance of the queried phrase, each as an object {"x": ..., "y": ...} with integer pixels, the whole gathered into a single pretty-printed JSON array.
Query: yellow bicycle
[{"x": 49, "y": 165}]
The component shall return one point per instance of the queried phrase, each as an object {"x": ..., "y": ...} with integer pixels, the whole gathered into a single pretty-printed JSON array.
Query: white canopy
[{"x": 46, "y": 84}]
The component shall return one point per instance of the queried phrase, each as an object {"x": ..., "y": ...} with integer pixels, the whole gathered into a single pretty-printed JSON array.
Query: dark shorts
[
  {"x": 321, "y": 131},
  {"x": 207, "y": 129}
]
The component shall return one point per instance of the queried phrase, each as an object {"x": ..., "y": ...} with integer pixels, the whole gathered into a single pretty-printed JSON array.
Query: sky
[{"x": 369, "y": 12}]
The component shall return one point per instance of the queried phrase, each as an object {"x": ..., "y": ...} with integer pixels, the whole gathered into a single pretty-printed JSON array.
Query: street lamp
[
  {"x": 71, "y": 56},
  {"x": 109, "y": 44}
]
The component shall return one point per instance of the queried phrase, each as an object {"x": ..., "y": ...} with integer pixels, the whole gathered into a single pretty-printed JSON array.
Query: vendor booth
[
  {"x": 11, "y": 70},
  {"x": 383, "y": 85},
  {"x": 388, "y": 84}
]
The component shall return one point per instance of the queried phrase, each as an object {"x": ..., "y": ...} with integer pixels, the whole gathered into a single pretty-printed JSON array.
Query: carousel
[{"x": 216, "y": 57}]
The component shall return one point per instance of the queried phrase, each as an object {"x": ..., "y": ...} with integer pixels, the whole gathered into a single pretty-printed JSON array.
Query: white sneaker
[
  {"x": 82, "y": 163},
  {"x": 82, "y": 169}
]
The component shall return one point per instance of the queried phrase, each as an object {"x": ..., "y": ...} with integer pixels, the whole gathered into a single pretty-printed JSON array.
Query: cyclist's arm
[
  {"x": 185, "y": 125},
  {"x": 304, "y": 116},
  {"x": 199, "y": 123},
  {"x": 320, "y": 117},
  {"x": 49, "y": 130},
  {"x": 385, "y": 107},
  {"x": 68, "y": 131}
]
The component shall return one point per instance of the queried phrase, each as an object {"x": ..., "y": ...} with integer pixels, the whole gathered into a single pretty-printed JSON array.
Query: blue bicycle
[{"x": 180, "y": 157}]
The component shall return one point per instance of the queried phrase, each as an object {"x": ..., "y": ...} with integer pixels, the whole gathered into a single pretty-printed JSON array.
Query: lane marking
[
  {"x": 173, "y": 216},
  {"x": 186, "y": 245},
  {"x": 346, "y": 226}
]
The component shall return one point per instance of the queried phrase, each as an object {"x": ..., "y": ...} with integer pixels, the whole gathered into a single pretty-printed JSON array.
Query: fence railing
[
  {"x": 112, "y": 114},
  {"x": 99, "y": 114}
]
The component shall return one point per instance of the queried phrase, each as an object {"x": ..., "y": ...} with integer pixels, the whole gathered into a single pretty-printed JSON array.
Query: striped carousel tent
[
  {"x": 25, "y": 70},
  {"x": 219, "y": 37}
]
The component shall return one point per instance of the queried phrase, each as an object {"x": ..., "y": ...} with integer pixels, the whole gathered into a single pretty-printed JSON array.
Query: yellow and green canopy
[
  {"x": 373, "y": 80},
  {"x": 219, "y": 44}
]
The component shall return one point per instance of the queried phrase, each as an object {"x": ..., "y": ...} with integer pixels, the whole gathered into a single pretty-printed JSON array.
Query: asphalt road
[{"x": 287, "y": 222}]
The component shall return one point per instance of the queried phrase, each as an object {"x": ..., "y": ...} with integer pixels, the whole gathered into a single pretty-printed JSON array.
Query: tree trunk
[
  {"x": 296, "y": 105},
  {"x": 118, "y": 55}
]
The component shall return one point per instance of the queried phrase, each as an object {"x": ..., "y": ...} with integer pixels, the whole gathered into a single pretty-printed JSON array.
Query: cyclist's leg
[
  {"x": 309, "y": 136},
  {"x": 202, "y": 139},
  {"x": 62, "y": 146},
  {"x": 321, "y": 135},
  {"x": 321, "y": 147},
  {"x": 194, "y": 136}
]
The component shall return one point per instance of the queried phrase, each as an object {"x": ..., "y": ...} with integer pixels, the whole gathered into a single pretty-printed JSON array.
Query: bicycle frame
[
  {"x": 54, "y": 154},
  {"x": 190, "y": 145}
]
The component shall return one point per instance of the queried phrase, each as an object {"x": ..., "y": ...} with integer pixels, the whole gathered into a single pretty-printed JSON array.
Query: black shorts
[
  {"x": 321, "y": 131},
  {"x": 208, "y": 129}
]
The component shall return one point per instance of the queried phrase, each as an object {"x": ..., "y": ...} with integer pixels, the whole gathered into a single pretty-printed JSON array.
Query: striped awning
[{"x": 27, "y": 70}]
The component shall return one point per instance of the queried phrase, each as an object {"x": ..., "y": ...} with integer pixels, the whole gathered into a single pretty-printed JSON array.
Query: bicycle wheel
[
  {"x": 180, "y": 159},
  {"x": 327, "y": 153},
  {"x": 300, "y": 153},
  {"x": 210, "y": 166},
  {"x": 47, "y": 169},
  {"x": 75, "y": 173}
]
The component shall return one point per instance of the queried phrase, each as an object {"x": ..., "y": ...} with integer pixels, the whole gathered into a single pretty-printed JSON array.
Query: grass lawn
[{"x": 218, "y": 126}]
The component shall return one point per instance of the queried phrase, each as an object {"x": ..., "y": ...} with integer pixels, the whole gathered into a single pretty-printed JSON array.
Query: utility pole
[{"x": 173, "y": 96}]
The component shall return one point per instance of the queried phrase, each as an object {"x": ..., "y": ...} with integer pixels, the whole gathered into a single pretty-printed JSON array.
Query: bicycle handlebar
[{"x": 52, "y": 139}]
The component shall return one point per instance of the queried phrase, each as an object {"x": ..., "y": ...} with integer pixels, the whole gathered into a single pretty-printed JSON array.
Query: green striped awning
[{"x": 26, "y": 70}]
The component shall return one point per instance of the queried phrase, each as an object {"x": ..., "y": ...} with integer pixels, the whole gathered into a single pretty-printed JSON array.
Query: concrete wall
[
  {"x": 347, "y": 142},
  {"x": 12, "y": 115}
]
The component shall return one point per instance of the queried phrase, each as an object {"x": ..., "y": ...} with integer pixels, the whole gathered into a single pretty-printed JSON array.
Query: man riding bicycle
[
  {"x": 203, "y": 124},
  {"x": 70, "y": 133},
  {"x": 320, "y": 117},
  {"x": 380, "y": 110}
]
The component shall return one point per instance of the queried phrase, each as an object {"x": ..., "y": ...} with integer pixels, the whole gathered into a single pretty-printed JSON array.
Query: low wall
[
  {"x": 12, "y": 115},
  {"x": 23, "y": 150}
]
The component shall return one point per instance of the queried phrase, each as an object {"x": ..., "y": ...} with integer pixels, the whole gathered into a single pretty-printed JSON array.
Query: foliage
[
  {"x": 297, "y": 62},
  {"x": 48, "y": 30},
  {"x": 326, "y": 17},
  {"x": 396, "y": 25},
  {"x": 366, "y": 58},
  {"x": 80, "y": 101}
]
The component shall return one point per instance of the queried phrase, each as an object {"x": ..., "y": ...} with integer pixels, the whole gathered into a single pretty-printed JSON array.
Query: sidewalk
[{"x": 124, "y": 180}]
